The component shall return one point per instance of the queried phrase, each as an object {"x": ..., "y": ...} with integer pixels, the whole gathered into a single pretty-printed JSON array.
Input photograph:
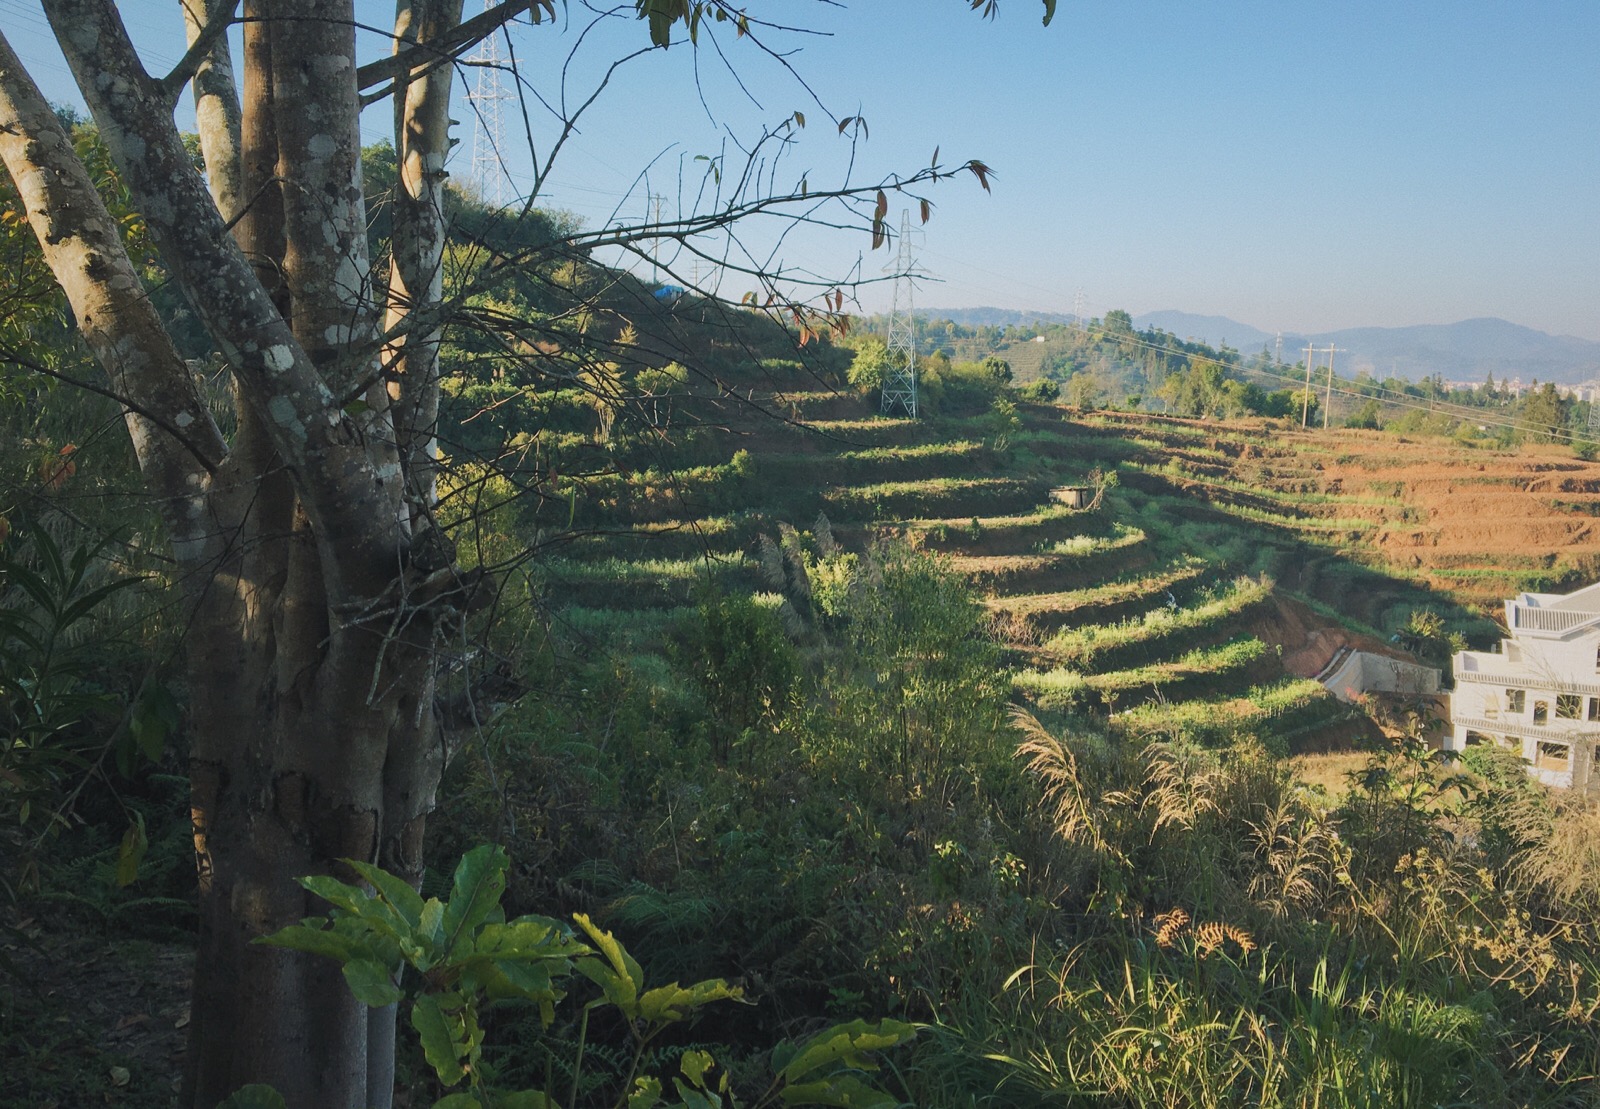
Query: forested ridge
[{"x": 785, "y": 753}]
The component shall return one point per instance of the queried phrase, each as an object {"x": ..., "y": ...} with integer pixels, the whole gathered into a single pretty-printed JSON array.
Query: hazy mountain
[
  {"x": 996, "y": 317},
  {"x": 1464, "y": 351},
  {"x": 1211, "y": 330}
]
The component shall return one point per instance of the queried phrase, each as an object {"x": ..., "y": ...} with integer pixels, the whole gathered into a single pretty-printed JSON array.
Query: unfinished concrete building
[{"x": 1539, "y": 693}]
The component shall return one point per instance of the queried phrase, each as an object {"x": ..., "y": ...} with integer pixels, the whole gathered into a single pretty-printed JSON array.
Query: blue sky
[{"x": 1292, "y": 165}]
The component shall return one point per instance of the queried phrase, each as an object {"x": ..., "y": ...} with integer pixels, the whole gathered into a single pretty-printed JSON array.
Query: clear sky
[{"x": 1296, "y": 166}]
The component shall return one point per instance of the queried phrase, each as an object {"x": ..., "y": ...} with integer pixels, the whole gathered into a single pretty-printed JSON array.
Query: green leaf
[
  {"x": 393, "y": 889},
  {"x": 374, "y": 912},
  {"x": 460, "y": 1100},
  {"x": 621, "y": 980},
  {"x": 846, "y": 1091},
  {"x": 131, "y": 852},
  {"x": 352, "y": 899},
  {"x": 847, "y": 1044},
  {"x": 1049, "y": 11},
  {"x": 430, "y": 922},
  {"x": 316, "y": 941},
  {"x": 371, "y": 982},
  {"x": 479, "y": 881},
  {"x": 526, "y": 1099},
  {"x": 674, "y": 1002},
  {"x": 696, "y": 1099},
  {"x": 646, "y": 1093},
  {"x": 694, "y": 1065},
  {"x": 436, "y": 1029},
  {"x": 506, "y": 979},
  {"x": 529, "y": 937},
  {"x": 155, "y": 715},
  {"x": 254, "y": 1096}
]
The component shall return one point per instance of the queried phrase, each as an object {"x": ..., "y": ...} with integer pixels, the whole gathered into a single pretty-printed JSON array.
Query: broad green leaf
[
  {"x": 352, "y": 899},
  {"x": 436, "y": 1029},
  {"x": 316, "y": 941},
  {"x": 460, "y": 1100},
  {"x": 646, "y": 1093},
  {"x": 621, "y": 979},
  {"x": 529, "y": 937},
  {"x": 154, "y": 717},
  {"x": 357, "y": 902},
  {"x": 503, "y": 978},
  {"x": 847, "y": 1044},
  {"x": 254, "y": 1097},
  {"x": 696, "y": 1099},
  {"x": 430, "y": 923},
  {"x": 395, "y": 890},
  {"x": 371, "y": 983},
  {"x": 846, "y": 1091},
  {"x": 694, "y": 1065},
  {"x": 618, "y": 990},
  {"x": 480, "y": 879},
  {"x": 526, "y": 1099},
  {"x": 674, "y": 1002}
]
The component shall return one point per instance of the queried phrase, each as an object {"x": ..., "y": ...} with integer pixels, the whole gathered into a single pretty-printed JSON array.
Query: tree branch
[
  {"x": 430, "y": 55},
  {"x": 172, "y": 84}
]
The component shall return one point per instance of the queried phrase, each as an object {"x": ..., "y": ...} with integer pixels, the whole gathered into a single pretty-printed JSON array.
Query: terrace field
[{"x": 1225, "y": 565}]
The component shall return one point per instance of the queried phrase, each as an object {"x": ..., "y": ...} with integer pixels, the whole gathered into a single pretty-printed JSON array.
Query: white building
[{"x": 1539, "y": 694}]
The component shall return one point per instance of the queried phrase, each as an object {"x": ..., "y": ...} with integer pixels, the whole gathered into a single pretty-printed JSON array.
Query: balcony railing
[
  {"x": 1532, "y": 683},
  {"x": 1567, "y": 731},
  {"x": 1528, "y": 618}
]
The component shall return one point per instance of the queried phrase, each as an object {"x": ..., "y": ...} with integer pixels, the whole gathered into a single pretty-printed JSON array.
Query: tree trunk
[{"x": 314, "y": 626}]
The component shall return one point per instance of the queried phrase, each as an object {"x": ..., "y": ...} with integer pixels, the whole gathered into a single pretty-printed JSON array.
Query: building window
[
  {"x": 1475, "y": 738},
  {"x": 1541, "y": 712},
  {"x": 1515, "y": 699},
  {"x": 1594, "y": 709},
  {"x": 1568, "y": 705},
  {"x": 1553, "y": 756}
]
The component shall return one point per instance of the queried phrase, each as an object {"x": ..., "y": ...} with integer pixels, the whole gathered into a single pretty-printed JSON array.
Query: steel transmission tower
[
  {"x": 488, "y": 138},
  {"x": 900, "y": 382}
]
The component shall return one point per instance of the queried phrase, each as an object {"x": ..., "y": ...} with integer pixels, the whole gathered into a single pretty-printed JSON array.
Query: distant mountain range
[{"x": 1464, "y": 351}]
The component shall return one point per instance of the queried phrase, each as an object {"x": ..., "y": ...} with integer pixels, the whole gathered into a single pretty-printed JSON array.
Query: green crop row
[{"x": 1086, "y": 646}]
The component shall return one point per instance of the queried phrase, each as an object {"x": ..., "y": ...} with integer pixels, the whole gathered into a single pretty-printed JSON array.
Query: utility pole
[
  {"x": 1077, "y": 309},
  {"x": 1327, "y": 401},
  {"x": 1305, "y": 397}
]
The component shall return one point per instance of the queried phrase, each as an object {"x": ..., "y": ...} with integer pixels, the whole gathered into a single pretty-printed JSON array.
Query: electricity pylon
[
  {"x": 900, "y": 380},
  {"x": 488, "y": 138}
]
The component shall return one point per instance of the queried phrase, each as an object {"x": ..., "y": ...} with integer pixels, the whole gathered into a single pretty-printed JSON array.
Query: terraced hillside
[
  {"x": 1226, "y": 566},
  {"x": 1468, "y": 524},
  {"x": 1199, "y": 595}
]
